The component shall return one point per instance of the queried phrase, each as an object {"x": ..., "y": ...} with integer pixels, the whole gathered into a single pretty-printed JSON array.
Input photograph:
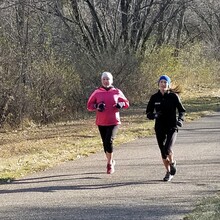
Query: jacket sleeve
[
  {"x": 150, "y": 109},
  {"x": 91, "y": 104},
  {"x": 181, "y": 109},
  {"x": 122, "y": 98}
]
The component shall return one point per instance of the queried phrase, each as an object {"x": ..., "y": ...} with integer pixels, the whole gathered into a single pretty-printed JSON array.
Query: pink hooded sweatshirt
[{"x": 110, "y": 116}]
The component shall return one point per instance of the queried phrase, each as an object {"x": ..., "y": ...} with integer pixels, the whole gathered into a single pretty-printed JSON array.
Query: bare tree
[
  {"x": 208, "y": 23},
  {"x": 47, "y": 43}
]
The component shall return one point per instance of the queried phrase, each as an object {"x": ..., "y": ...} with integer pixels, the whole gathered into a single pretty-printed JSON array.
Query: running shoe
[
  {"x": 173, "y": 168},
  {"x": 111, "y": 167},
  {"x": 168, "y": 177}
]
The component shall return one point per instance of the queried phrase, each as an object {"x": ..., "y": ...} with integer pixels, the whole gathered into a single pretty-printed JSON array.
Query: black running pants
[
  {"x": 166, "y": 141},
  {"x": 108, "y": 134}
]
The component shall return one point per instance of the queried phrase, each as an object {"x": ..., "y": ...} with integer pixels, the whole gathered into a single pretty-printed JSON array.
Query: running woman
[
  {"x": 162, "y": 107},
  {"x": 107, "y": 101}
]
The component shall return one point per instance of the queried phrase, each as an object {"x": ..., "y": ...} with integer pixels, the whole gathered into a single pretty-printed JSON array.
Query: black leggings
[
  {"x": 166, "y": 140},
  {"x": 108, "y": 134}
]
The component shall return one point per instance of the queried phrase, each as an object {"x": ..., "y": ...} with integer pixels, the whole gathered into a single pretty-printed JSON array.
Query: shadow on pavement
[
  {"x": 78, "y": 187},
  {"x": 100, "y": 212}
]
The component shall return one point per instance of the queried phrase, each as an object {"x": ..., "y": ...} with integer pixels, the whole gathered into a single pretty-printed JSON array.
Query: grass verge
[{"x": 208, "y": 208}]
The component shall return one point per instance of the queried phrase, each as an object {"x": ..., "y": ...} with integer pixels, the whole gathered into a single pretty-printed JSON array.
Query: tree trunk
[{"x": 179, "y": 31}]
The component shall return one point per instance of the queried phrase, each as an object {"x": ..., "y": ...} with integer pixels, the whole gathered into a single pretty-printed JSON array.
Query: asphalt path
[{"x": 81, "y": 189}]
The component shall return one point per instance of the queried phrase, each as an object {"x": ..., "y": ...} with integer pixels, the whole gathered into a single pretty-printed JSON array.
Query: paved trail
[{"x": 82, "y": 190}]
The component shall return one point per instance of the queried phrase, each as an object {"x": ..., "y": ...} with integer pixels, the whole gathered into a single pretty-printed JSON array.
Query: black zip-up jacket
[{"x": 163, "y": 109}]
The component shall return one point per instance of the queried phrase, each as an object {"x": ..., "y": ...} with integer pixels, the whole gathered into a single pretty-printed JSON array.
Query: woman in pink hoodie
[{"x": 106, "y": 101}]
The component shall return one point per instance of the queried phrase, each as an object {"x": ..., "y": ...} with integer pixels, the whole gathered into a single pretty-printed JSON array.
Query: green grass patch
[{"x": 208, "y": 209}]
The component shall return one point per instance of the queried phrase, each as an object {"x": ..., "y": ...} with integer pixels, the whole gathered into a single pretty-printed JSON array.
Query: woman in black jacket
[{"x": 162, "y": 107}]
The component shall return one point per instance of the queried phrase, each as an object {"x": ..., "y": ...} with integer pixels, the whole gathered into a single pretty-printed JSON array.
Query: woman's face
[
  {"x": 106, "y": 82},
  {"x": 163, "y": 85}
]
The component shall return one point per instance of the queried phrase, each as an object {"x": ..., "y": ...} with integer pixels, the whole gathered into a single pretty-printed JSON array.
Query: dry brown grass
[{"x": 38, "y": 148}]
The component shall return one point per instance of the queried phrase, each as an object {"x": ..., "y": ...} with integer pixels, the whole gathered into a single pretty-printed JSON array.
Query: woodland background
[{"x": 52, "y": 52}]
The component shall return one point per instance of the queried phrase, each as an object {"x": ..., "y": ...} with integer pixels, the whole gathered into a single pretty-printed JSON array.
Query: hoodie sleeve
[
  {"x": 91, "y": 104},
  {"x": 123, "y": 99}
]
